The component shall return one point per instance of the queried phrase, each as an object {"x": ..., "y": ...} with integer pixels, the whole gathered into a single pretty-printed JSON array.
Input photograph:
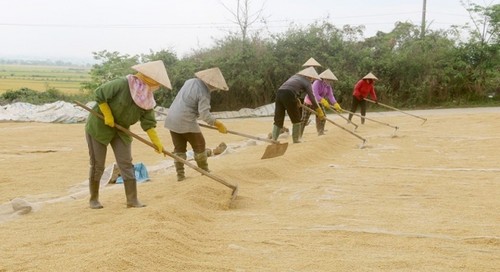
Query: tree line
[{"x": 438, "y": 68}]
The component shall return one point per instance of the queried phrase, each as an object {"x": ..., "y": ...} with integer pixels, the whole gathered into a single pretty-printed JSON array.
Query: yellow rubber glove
[
  {"x": 337, "y": 107},
  {"x": 320, "y": 113},
  {"x": 109, "y": 120},
  {"x": 325, "y": 103},
  {"x": 155, "y": 139},
  {"x": 220, "y": 126}
]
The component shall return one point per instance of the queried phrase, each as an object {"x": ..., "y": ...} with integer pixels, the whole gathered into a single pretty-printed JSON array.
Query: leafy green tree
[
  {"x": 480, "y": 55},
  {"x": 111, "y": 65},
  {"x": 244, "y": 64}
]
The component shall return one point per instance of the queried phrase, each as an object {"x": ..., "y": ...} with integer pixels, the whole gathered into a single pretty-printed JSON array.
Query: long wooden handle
[
  {"x": 373, "y": 120},
  {"x": 313, "y": 112},
  {"x": 235, "y": 133},
  {"x": 345, "y": 118},
  {"x": 393, "y": 108},
  {"x": 177, "y": 158},
  {"x": 243, "y": 134}
]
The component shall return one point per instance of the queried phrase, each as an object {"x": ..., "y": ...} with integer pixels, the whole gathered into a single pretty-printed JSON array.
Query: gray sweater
[
  {"x": 298, "y": 85},
  {"x": 191, "y": 103}
]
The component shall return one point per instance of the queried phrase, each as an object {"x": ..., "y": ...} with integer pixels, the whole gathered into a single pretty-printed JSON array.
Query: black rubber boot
[
  {"x": 179, "y": 167},
  {"x": 94, "y": 195},
  {"x": 201, "y": 160},
  {"x": 296, "y": 133},
  {"x": 131, "y": 194}
]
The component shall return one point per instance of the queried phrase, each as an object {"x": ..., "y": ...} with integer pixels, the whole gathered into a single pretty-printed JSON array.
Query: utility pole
[{"x": 422, "y": 28}]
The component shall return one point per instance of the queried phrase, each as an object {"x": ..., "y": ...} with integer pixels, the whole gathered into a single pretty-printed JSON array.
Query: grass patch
[{"x": 66, "y": 79}]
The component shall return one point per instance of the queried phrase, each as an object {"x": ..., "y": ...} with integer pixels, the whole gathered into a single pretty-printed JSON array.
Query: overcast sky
[{"x": 75, "y": 28}]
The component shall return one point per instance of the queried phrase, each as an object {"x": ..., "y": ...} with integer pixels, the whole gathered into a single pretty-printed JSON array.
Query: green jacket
[{"x": 125, "y": 112}]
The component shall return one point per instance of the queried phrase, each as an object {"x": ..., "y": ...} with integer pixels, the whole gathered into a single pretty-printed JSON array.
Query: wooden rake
[
  {"x": 345, "y": 118},
  {"x": 275, "y": 149},
  {"x": 376, "y": 121},
  {"x": 343, "y": 128},
  {"x": 393, "y": 108}
]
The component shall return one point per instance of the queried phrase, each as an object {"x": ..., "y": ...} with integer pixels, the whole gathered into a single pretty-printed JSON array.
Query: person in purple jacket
[{"x": 323, "y": 92}]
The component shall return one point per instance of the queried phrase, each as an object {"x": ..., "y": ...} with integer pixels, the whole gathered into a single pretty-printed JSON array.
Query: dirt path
[{"x": 426, "y": 198}]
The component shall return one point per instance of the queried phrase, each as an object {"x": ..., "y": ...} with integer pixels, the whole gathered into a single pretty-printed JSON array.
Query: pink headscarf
[{"x": 141, "y": 93}]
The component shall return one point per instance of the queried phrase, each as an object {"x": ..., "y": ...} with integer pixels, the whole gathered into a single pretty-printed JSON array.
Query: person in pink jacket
[
  {"x": 362, "y": 89},
  {"x": 323, "y": 92}
]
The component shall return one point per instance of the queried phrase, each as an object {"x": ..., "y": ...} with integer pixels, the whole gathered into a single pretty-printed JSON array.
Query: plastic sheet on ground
[
  {"x": 141, "y": 173},
  {"x": 64, "y": 112},
  {"x": 57, "y": 112}
]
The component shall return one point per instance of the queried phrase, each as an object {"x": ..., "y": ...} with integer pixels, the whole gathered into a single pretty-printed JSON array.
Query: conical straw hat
[
  {"x": 155, "y": 70},
  {"x": 311, "y": 62},
  {"x": 327, "y": 74},
  {"x": 213, "y": 77},
  {"x": 370, "y": 76},
  {"x": 309, "y": 72}
]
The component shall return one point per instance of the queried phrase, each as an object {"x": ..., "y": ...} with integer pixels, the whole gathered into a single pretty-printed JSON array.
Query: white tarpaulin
[
  {"x": 64, "y": 112},
  {"x": 57, "y": 112}
]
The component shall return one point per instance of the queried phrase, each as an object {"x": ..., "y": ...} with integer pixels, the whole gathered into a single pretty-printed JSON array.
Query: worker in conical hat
[
  {"x": 154, "y": 70},
  {"x": 311, "y": 62},
  {"x": 191, "y": 103},
  {"x": 287, "y": 100},
  {"x": 363, "y": 88},
  {"x": 370, "y": 76},
  {"x": 323, "y": 93},
  {"x": 213, "y": 78},
  {"x": 123, "y": 101}
]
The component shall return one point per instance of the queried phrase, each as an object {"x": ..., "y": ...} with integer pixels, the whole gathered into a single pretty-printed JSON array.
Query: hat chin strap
[
  {"x": 210, "y": 87},
  {"x": 149, "y": 81}
]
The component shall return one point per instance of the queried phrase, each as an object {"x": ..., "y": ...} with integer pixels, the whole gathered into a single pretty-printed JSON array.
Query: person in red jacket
[{"x": 362, "y": 89}]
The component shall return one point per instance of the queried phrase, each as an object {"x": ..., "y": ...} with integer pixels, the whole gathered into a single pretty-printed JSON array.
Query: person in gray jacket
[{"x": 191, "y": 103}]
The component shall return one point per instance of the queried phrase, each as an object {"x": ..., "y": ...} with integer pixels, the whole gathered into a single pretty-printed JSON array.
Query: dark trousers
[
  {"x": 180, "y": 140},
  {"x": 97, "y": 154},
  {"x": 286, "y": 101},
  {"x": 354, "y": 107},
  {"x": 320, "y": 124}
]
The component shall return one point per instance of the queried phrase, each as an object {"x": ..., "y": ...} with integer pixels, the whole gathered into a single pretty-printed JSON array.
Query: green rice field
[{"x": 66, "y": 79}]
